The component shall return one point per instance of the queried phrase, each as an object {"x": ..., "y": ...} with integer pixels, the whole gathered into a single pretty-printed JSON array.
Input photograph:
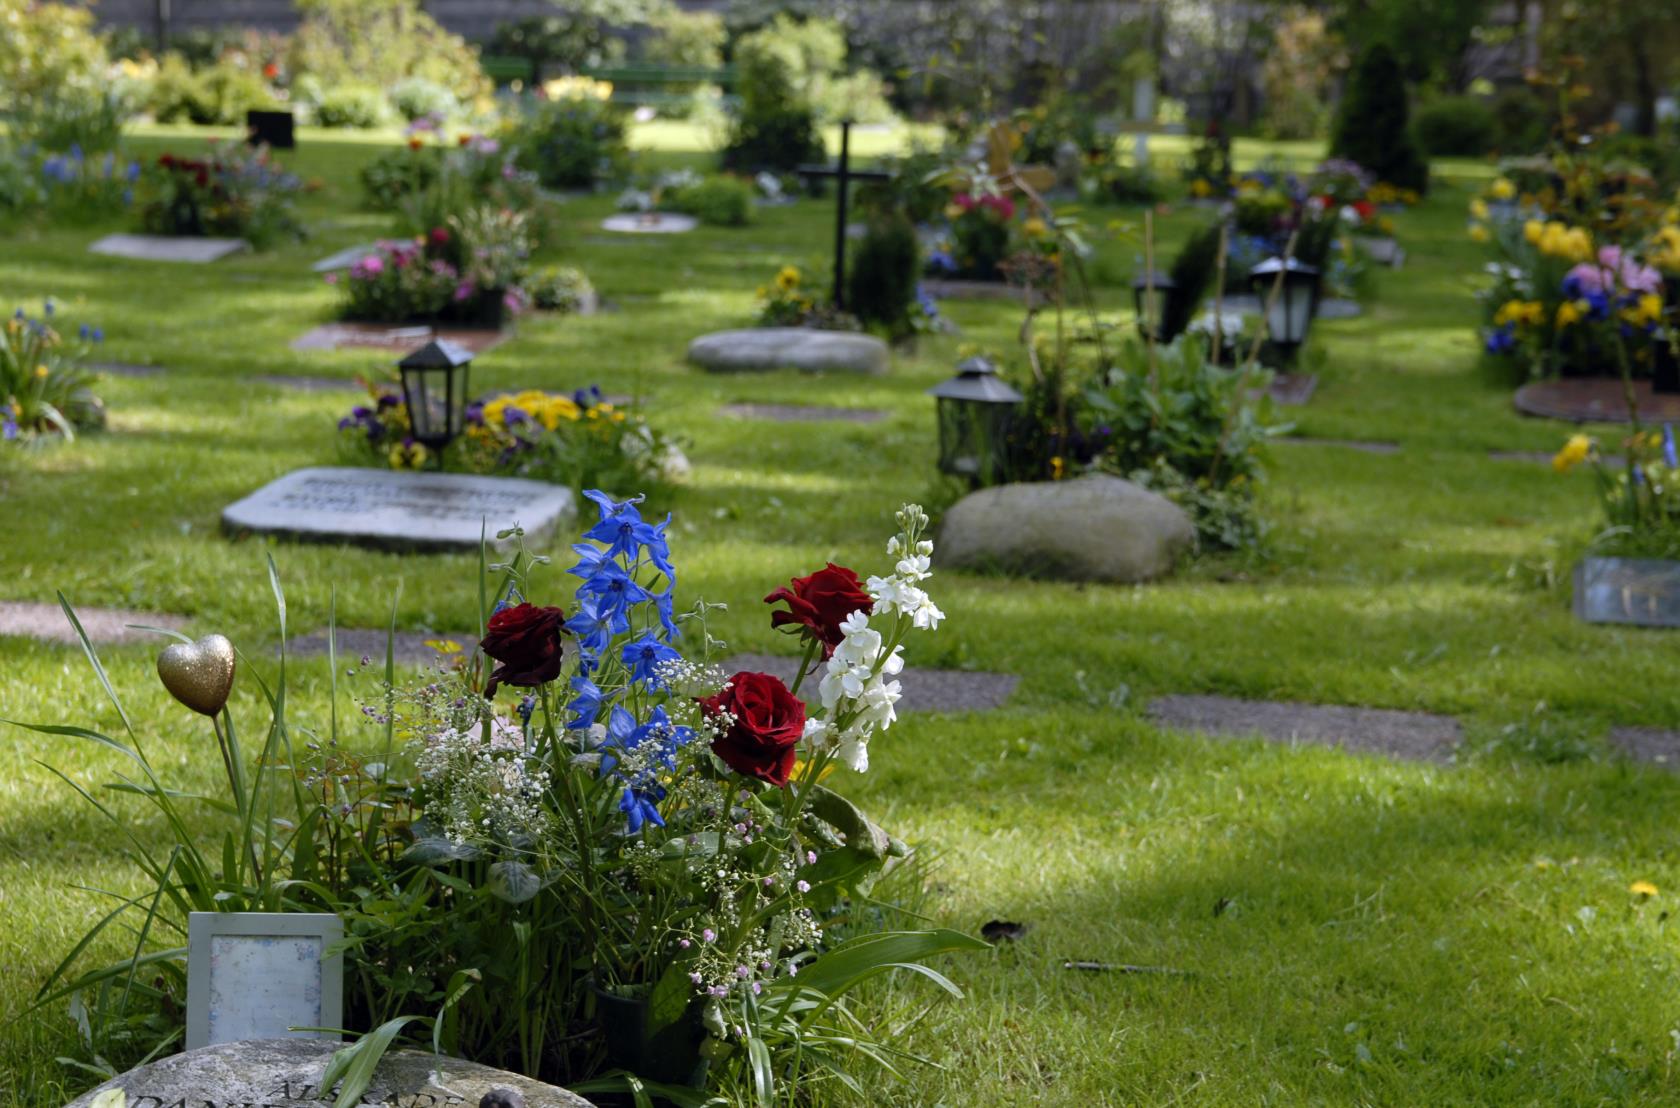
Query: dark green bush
[
  {"x": 881, "y": 286},
  {"x": 776, "y": 127},
  {"x": 571, "y": 143},
  {"x": 720, "y": 201},
  {"x": 1457, "y": 126},
  {"x": 1372, "y": 127}
]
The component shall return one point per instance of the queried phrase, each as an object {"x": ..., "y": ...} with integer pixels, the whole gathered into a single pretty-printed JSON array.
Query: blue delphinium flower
[
  {"x": 1670, "y": 455},
  {"x": 586, "y": 702},
  {"x": 8, "y": 428},
  {"x": 641, "y": 806},
  {"x": 644, "y": 655}
]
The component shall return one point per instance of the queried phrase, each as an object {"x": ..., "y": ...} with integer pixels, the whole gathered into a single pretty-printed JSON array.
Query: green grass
[{"x": 1355, "y": 931}]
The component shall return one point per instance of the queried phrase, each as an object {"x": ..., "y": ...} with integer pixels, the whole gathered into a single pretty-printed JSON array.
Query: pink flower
[
  {"x": 332, "y": 278},
  {"x": 370, "y": 265},
  {"x": 464, "y": 291}
]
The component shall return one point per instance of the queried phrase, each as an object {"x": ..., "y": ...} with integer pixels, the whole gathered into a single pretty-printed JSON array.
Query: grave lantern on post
[
  {"x": 1290, "y": 314},
  {"x": 434, "y": 381},
  {"x": 1151, "y": 292},
  {"x": 976, "y": 413}
]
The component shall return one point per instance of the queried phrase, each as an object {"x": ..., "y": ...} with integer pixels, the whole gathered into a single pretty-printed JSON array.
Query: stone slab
[
  {"x": 278, "y": 1073},
  {"x": 192, "y": 249},
  {"x": 925, "y": 690},
  {"x": 941, "y": 288},
  {"x": 1653, "y": 745},
  {"x": 803, "y": 413},
  {"x": 650, "y": 223},
  {"x": 1644, "y": 592},
  {"x": 398, "y": 339},
  {"x": 1412, "y": 736},
  {"x": 1595, "y": 400},
  {"x": 302, "y": 383},
  {"x": 753, "y": 349},
  {"x": 398, "y": 509},
  {"x": 408, "y": 648},
  {"x": 1345, "y": 444},
  {"x": 346, "y": 258},
  {"x": 104, "y": 626}
]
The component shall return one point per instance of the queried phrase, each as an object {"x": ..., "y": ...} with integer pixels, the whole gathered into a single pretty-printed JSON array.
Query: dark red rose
[
  {"x": 819, "y": 603},
  {"x": 525, "y": 639},
  {"x": 765, "y": 722},
  {"x": 440, "y": 236}
]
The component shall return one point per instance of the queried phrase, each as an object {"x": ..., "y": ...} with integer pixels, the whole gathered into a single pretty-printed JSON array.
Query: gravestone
[
  {"x": 397, "y": 338},
  {"x": 398, "y": 509},
  {"x": 1384, "y": 251},
  {"x": 346, "y": 258},
  {"x": 197, "y": 250},
  {"x": 280, "y": 1073},
  {"x": 803, "y": 413},
  {"x": 649, "y": 223},
  {"x": 804, "y": 348},
  {"x": 1642, "y": 591}
]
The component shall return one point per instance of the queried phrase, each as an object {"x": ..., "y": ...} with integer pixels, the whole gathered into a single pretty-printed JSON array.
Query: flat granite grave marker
[
  {"x": 192, "y": 249},
  {"x": 277, "y": 1073},
  {"x": 1642, "y": 591},
  {"x": 649, "y": 223},
  {"x": 1414, "y": 736},
  {"x": 803, "y": 413},
  {"x": 804, "y": 348},
  {"x": 396, "y": 337},
  {"x": 396, "y": 509}
]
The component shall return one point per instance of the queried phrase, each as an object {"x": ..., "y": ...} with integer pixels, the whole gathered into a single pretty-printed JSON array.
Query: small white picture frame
[{"x": 255, "y": 975}]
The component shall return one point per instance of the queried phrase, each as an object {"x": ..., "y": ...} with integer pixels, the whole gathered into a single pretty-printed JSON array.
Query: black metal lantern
[
  {"x": 1290, "y": 313},
  {"x": 976, "y": 413},
  {"x": 1151, "y": 293},
  {"x": 434, "y": 381}
]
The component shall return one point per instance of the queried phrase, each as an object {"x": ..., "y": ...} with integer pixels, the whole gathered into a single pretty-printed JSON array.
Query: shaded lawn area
[{"x": 1354, "y": 930}]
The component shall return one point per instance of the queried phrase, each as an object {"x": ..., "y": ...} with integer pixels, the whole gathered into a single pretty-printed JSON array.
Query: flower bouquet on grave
[
  {"x": 46, "y": 387},
  {"x": 232, "y": 192},
  {"x": 571, "y": 852}
]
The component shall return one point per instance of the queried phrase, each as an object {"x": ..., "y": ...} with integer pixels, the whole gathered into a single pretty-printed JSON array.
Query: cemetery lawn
[{"x": 1350, "y": 929}]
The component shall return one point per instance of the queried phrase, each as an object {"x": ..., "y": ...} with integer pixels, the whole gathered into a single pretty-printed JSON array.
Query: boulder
[
  {"x": 803, "y": 348},
  {"x": 277, "y": 1073},
  {"x": 1093, "y": 528}
]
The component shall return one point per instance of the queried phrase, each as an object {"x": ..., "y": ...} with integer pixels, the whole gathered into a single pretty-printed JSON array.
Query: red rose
[
  {"x": 819, "y": 603},
  {"x": 440, "y": 236},
  {"x": 765, "y": 723},
  {"x": 525, "y": 639}
]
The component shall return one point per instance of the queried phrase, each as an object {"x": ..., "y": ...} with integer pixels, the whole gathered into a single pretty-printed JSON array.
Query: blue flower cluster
[
  {"x": 366, "y": 419},
  {"x": 73, "y": 169},
  {"x": 1502, "y": 340},
  {"x": 613, "y": 604},
  {"x": 1598, "y": 304}
]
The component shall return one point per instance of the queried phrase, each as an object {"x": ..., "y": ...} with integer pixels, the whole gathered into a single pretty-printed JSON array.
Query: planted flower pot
[{"x": 657, "y": 1046}]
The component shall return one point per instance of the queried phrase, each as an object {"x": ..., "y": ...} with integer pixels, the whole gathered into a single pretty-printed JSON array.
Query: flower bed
[
  {"x": 576, "y": 439},
  {"x": 468, "y": 271},
  {"x": 572, "y": 824},
  {"x": 232, "y": 193},
  {"x": 46, "y": 389}
]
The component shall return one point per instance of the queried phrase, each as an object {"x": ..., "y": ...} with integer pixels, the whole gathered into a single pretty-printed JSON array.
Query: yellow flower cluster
[
  {"x": 1478, "y": 208},
  {"x": 1201, "y": 188},
  {"x": 1665, "y": 249},
  {"x": 1478, "y": 232},
  {"x": 1559, "y": 240},
  {"x": 1502, "y": 189},
  {"x": 547, "y": 408},
  {"x": 577, "y": 88},
  {"x": 1646, "y": 310},
  {"x": 408, "y": 455},
  {"x": 1384, "y": 193},
  {"x": 1524, "y": 313},
  {"x": 1577, "y": 450},
  {"x": 1570, "y": 312}
]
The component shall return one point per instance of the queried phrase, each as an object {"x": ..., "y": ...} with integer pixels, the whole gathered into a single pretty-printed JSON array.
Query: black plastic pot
[
  {"x": 275, "y": 129},
  {"x": 667, "y": 1052}
]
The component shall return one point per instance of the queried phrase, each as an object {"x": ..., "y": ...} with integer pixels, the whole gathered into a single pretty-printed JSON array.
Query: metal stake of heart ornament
[{"x": 200, "y": 674}]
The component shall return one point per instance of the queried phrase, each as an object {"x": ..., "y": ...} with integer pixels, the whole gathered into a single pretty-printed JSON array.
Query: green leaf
[
  {"x": 846, "y": 965},
  {"x": 436, "y": 852},
  {"x": 355, "y": 1064},
  {"x": 514, "y": 882},
  {"x": 861, "y": 833},
  {"x": 763, "y": 1076}
]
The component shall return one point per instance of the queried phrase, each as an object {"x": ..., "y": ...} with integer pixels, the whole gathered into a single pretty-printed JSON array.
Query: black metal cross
[{"x": 845, "y": 175}]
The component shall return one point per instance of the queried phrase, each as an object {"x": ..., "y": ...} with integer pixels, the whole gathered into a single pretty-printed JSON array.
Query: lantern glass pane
[{"x": 959, "y": 452}]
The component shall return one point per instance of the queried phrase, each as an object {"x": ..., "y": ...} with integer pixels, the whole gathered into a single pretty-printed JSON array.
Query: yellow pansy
[
  {"x": 1570, "y": 312},
  {"x": 1665, "y": 249},
  {"x": 1478, "y": 232},
  {"x": 410, "y": 455},
  {"x": 788, "y": 278},
  {"x": 1533, "y": 229},
  {"x": 1647, "y": 309},
  {"x": 1479, "y": 208},
  {"x": 1574, "y": 452},
  {"x": 1520, "y": 312},
  {"x": 1642, "y": 888},
  {"x": 1502, "y": 189}
]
